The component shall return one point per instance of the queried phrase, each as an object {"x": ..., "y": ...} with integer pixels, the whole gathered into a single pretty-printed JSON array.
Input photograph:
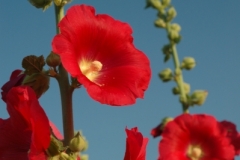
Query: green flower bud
[
  {"x": 154, "y": 3},
  {"x": 53, "y": 60},
  {"x": 39, "y": 82},
  {"x": 84, "y": 157},
  {"x": 61, "y": 2},
  {"x": 78, "y": 143},
  {"x": 166, "y": 2},
  {"x": 44, "y": 4},
  {"x": 167, "y": 49},
  {"x": 63, "y": 156},
  {"x": 173, "y": 35},
  {"x": 160, "y": 23},
  {"x": 54, "y": 147},
  {"x": 188, "y": 63},
  {"x": 198, "y": 97},
  {"x": 176, "y": 27},
  {"x": 166, "y": 75},
  {"x": 165, "y": 121},
  {"x": 171, "y": 13},
  {"x": 186, "y": 88}
]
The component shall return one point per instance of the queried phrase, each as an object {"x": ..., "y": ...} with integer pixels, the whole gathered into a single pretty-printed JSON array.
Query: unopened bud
[
  {"x": 176, "y": 27},
  {"x": 84, "y": 157},
  {"x": 166, "y": 2},
  {"x": 198, "y": 97},
  {"x": 171, "y": 13},
  {"x": 154, "y": 3},
  {"x": 63, "y": 156},
  {"x": 166, "y": 75},
  {"x": 160, "y": 23},
  {"x": 173, "y": 35},
  {"x": 44, "y": 4},
  {"x": 39, "y": 82},
  {"x": 78, "y": 143},
  {"x": 53, "y": 60},
  {"x": 61, "y": 2},
  {"x": 188, "y": 63}
]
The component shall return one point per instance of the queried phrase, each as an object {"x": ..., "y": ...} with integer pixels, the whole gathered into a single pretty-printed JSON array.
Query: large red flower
[
  {"x": 99, "y": 52},
  {"x": 26, "y": 133},
  {"x": 16, "y": 79},
  {"x": 135, "y": 145},
  {"x": 195, "y": 137}
]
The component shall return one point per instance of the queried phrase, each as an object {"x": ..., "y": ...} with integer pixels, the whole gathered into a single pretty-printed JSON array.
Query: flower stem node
[
  {"x": 61, "y": 2},
  {"x": 78, "y": 143},
  {"x": 198, "y": 97},
  {"x": 188, "y": 63},
  {"x": 166, "y": 75},
  {"x": 171, "y": 13},
  {"x": 160, "y": 23},
  {"x": 44, "y": 4},
  {"x": 53, "y": 60},
  {"x": 155, "y": 4}
]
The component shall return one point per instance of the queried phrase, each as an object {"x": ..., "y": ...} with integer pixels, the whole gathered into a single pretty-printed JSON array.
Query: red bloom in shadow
[
  {"x": 135, "y": 145},
  {"x": 232, "y": 134},
  {"x": 195, "y": 137},
  {"x": 26, "y": 133},
  {"x": 16, "y": 79},
  {"x": 99, "y": 52}
]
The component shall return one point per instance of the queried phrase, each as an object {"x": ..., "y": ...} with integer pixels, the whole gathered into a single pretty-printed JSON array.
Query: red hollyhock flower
[
  {"x": 16, "y": 79},
  {"x": 135, "y": 145},
  {"x": 195, "y": 137},
  {"x": 99, "y": 52},
  {"x": 26, "y": 133},
  {"x": 232, "y": 134}
]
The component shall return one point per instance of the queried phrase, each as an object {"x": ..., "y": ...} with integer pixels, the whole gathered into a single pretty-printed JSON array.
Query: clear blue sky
[{"x": 210, "y": 31}]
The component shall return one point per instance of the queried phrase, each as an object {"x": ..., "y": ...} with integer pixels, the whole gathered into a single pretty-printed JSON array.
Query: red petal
[{"x": 55, "y": 131}]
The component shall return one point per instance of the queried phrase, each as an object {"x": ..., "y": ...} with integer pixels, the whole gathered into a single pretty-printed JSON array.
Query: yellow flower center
[
  {"x": 90, "y": 69},
  {"x": 194, "y": 152}
]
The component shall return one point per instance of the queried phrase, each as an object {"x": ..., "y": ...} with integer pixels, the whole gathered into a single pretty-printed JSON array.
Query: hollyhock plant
[
  {"x": 98, "y": 51},
  {"x": 26, "y": 133},
  {"x": 135, "y": 145},
  {"x": 16, "y": 79},
  {"x": 195, "y": 137}
]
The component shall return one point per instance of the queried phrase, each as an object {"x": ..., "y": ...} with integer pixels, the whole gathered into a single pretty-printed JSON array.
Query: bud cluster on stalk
[
  {"x": 165, "y": 16},
  {"x": 44, "y": 4}
]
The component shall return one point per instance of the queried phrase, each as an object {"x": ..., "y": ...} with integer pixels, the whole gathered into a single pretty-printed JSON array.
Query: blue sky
[{"x": 210, "y": 35}]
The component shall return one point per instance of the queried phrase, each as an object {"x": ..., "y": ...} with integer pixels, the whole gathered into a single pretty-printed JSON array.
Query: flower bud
[
  {"x": 198, "y": 97},
  {"x": 160, "y": 23},
  {"x": 186, "y": 88},
  {"x": 78, "y": 143},
  {"x": 53, "y": 60},
  {"x": 171, "y": 13},
  {"x": 84, "y": 157},
  {"x": 173, "y": 35},
  {"x": 63, "y": 156},
  {"x": 44, "y": 4},
  {"x": 39, "y": 82},
  {"x": 166, "y": 75},
  {"x": 154, "y": 3},
  {"x": 166, "y": 2},
  {"x": 176, "y": 27},
  {"x": 157, "y": 131},
  {"x": 188, "y": 63},
  {"x": 61, "y": 2}
]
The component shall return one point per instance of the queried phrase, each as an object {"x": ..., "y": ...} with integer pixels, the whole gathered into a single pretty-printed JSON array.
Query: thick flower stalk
[
  {"x": 98, "y": 51},
  {"x": 135, "y": 145},
  {"x": 195, "y": 137},
  {"x": 26, "y": 133}
]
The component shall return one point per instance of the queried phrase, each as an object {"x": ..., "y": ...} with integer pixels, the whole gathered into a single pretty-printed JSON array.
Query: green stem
[
  {"x": 178, "y": 73},
  {"x": 65, "y": 91}
]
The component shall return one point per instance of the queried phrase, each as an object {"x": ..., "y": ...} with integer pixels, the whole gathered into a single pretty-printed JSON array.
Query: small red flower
[
  {"x": 99, "y": 52},
  {"x": 16, "y": 79},
  {"x": 26, "y": 133},
  {"x": 135, "y": 145},
  {"x": 196, "y": 137}
]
